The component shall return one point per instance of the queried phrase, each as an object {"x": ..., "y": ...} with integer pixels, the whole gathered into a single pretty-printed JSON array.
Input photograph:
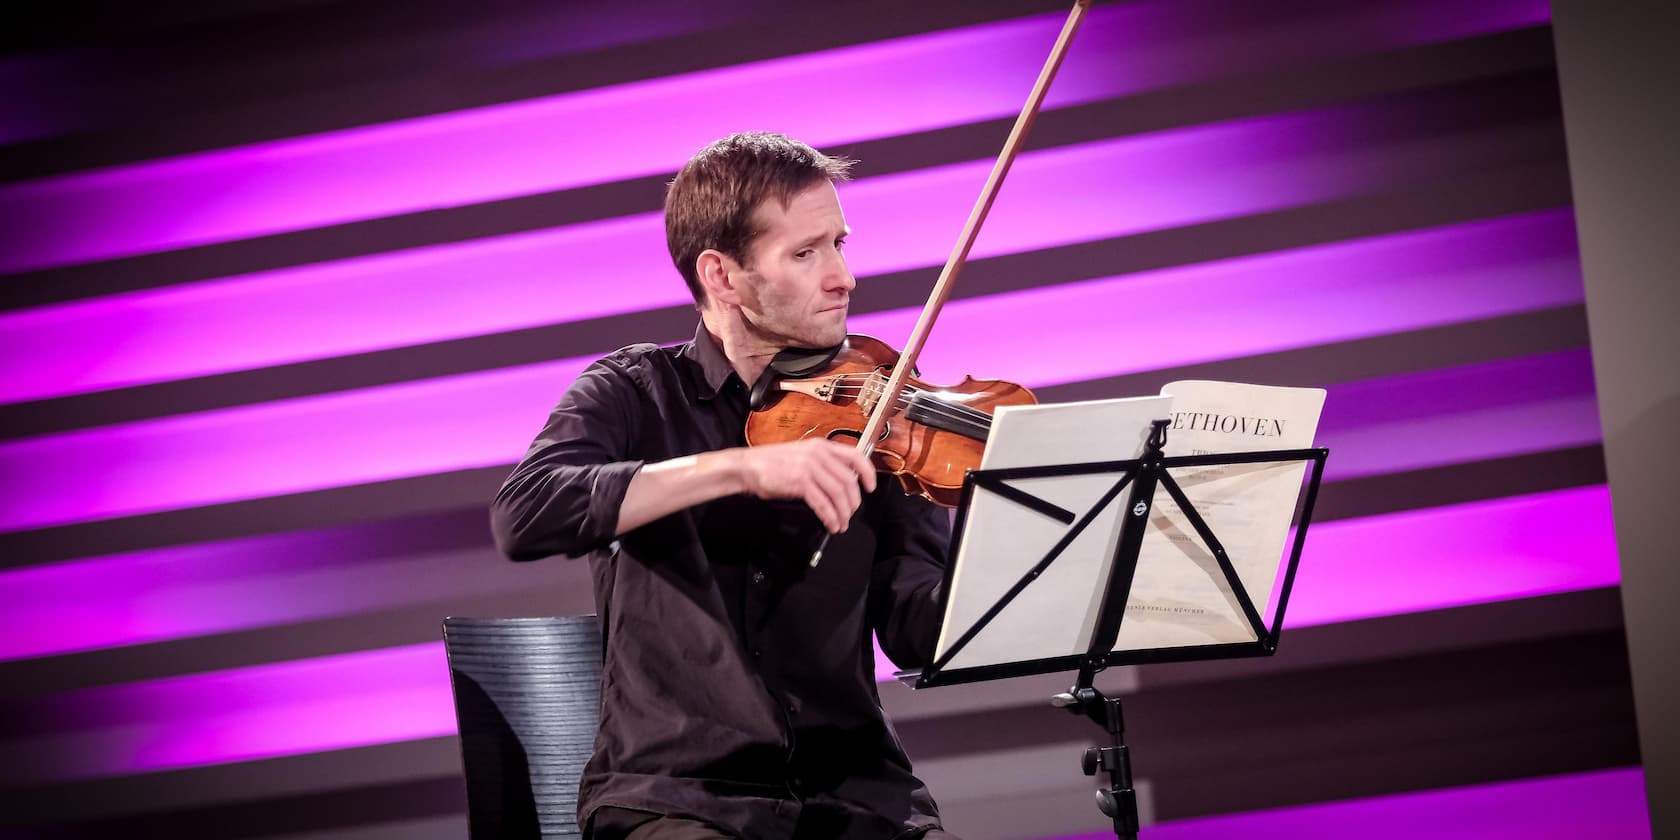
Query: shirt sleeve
[
  {"x": 564, "y": 496},
  {"x": 906, "y": 600}
]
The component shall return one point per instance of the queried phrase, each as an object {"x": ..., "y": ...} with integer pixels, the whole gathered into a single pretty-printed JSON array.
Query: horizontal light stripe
[
  {"x": 228, "y": 586},
  {"x": 609, "y": 267},
  {"x": 1238, "y": 307},
  {"x": 647, "y": 128},
  {"x": 334, "y": 702},
  {"x": 1607, "y": 804},
  {"x": 1516, "y": 547},
  {"x": 1212, "y": 311},
  {"x": 1456, "y": 415},
  {"x": 1491, "y": 410},
  {"x": 290, "y": 446},
  {"x": 1382, "y": 565}
]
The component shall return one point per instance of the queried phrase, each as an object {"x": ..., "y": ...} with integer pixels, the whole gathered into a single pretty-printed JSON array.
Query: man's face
[{"x": 798, "y": 288}]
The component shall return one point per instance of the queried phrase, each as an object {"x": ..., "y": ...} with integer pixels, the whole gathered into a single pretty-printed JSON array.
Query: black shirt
[{"x": 739, "y": 685}]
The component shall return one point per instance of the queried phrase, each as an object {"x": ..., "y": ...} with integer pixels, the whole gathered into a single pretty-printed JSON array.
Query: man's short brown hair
[{"x": 710, "y": 204}]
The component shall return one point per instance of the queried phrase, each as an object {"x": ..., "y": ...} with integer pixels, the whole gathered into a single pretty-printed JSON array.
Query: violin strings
[
  {"x": 934, "y": 403},
  {"x": 910, "y": 391},
  {"x": 937, "y": 407}
]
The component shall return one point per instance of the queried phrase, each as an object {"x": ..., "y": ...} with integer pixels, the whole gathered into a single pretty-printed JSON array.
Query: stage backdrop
[{"x": 288, "y": 290}]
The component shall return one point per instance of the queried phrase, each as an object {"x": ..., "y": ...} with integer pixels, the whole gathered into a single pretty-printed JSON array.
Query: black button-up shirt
[{"x": 739, "y": 683}]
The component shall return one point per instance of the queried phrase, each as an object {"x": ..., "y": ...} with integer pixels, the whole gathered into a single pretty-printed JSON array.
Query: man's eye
[
  {"x": 839, "y": 244},
  {"x": 802, "y": 253}
]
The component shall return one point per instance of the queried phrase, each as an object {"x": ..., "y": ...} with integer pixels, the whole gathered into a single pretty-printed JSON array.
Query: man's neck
[{"x": 749, "y": 358}]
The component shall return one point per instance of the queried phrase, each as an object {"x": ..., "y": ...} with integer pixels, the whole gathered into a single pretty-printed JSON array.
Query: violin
[{"x": 932, "y": 434}]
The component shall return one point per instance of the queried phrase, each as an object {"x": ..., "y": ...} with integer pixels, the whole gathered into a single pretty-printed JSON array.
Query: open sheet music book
[{"x": 1179, "y": 596}]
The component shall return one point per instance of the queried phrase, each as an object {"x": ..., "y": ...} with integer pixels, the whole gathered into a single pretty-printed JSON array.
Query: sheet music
[
  {"x": 1179, "y": 596},
  {"x": 1004, "y": 540}
]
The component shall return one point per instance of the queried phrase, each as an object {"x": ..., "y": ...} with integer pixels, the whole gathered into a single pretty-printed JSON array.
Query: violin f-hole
[{"x": 856, "y": 435}]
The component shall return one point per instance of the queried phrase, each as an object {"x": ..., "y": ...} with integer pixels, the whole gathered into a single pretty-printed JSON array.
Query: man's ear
[{"x": 716, "y": 271}]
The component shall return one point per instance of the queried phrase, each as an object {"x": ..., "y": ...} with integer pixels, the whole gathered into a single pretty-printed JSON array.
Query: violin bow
[{"x": 959, "y": 254}]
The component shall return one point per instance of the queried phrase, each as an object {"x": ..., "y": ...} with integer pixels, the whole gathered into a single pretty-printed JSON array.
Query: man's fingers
[
  {"x": 839, "y": 486},
  {"x": 820, "y": 504},
  {"x": 845, "y": 482},
  {"x": 865, "y": 470},
  {"x": 859, "y": 465},
  {"x": 829, "y": 475}
]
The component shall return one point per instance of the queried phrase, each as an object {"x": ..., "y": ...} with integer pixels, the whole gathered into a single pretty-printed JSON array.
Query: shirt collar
[{"x": 715, "y": 369}]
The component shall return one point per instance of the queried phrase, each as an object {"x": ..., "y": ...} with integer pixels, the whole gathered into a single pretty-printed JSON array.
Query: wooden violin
[{"x": 932, "y": 434}]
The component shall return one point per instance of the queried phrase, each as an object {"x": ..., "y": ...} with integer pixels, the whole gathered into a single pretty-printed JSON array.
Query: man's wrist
[{"x": 726, "y": 467}]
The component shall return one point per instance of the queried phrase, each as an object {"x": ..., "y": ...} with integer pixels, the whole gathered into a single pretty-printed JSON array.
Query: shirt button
[
  {"x": 758, "y": 654},
  {"x": 757, "y": 576}
]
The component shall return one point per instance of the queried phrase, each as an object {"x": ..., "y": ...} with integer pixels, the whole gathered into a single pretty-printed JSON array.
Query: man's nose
[{"x": 840, "y": 277}]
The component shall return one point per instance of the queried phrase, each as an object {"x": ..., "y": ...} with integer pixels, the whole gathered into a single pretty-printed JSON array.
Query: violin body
[{"x": 932, "y": 435}]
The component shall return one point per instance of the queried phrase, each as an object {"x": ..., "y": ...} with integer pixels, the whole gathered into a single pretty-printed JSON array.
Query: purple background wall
[{"x": 287, "y": 291}]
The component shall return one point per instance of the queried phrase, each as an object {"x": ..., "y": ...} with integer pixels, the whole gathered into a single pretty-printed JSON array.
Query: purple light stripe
[
  {"x": 389, "y": 300},
  {"x": 225, "y": 586},
  {"x": 1473, "y": 553},
  {"x": 1382, "y": 565},
  {"x": 1604, "y": 804},
  {"x": 1054, "y": 197},
  {"x": 1249, "y": 305},
  {"x": 1451, "y": 416},
  {"x": 263, "y": 711},
  {"x": 1229, "y": 308},
  {"x": 646, "y": 128},
  {"x": 1533, "y": 403},
  {"x": 1451, "y": 556},
  {"x": 311, "y": 443}
]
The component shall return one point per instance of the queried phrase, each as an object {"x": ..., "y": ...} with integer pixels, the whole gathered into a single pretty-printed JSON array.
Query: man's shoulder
[
  {"x": 642, "y": 355},
  {"x": 645, "y": 364}
]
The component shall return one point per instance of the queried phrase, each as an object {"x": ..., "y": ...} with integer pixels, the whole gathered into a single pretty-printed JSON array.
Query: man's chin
[
  {"x": 819, "y": 338},
  {"x": 830, "y": 338}
]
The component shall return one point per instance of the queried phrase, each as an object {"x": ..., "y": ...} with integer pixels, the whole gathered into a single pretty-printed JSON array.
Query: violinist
[{"x": 738, "y": 691}]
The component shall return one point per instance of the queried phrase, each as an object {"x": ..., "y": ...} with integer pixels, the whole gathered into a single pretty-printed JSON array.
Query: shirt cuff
[{"x": 606, "y": 496}]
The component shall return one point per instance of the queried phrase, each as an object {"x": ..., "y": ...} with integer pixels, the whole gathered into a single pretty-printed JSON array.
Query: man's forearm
[{"x": 666, "y": 487}]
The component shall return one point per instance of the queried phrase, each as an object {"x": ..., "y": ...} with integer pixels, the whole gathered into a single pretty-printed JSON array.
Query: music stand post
[{"x": 1144, "y": 475}]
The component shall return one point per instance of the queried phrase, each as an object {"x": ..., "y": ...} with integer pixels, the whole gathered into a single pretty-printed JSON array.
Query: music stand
[{"x": 1152, "y": 470}]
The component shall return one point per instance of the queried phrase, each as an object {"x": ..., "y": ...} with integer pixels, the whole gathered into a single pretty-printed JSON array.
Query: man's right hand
[{"x": 826, "y": 474}]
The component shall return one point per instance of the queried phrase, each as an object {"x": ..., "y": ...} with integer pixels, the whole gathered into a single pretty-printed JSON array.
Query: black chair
[{"x": 527, "y": 701}]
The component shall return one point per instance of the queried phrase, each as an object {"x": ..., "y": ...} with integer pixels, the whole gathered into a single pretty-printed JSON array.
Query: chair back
[{"x": 527, "y": 702}]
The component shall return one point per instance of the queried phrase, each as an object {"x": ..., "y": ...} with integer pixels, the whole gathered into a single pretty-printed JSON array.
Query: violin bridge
[{"x": 871, "y": 392}]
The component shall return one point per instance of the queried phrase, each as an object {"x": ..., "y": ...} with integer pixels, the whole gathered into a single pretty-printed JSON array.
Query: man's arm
[
  {"x": 825, "y": 474},
  {"x": 580, "y": 485},
  {"x": 564, "y": 495}
]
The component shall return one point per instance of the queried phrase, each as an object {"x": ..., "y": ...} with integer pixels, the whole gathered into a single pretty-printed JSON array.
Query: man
[{"x": 738, "y": 693}]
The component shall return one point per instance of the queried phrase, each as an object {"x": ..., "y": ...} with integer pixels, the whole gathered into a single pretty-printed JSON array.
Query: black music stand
[{"x": 1144, "y": 474}]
